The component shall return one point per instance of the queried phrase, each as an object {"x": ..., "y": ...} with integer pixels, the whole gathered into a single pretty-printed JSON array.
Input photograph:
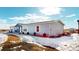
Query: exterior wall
[
  {"x": 53, "y": 28},
  {"x": 43, "y": 28},
  {"x": 24, "y": 29},
  {"x": 56, "y": 29},
  {"x": 31, "y": 28}
]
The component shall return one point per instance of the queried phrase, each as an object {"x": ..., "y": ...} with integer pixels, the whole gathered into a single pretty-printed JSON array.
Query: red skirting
[{"x": 51, "y": 36}]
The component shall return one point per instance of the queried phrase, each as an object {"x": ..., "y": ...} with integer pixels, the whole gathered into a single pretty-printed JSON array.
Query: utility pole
[{"x": 78, "y": 26}]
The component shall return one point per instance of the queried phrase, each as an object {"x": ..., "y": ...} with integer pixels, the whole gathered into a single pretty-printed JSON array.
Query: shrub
[
  {"x": 27, "y": 33},
  {"x": 34, "y": 33},
  {"x": 67, "y": 33},
  {"x": 22, "y": 32},
  {"x": 44, "y": 34}
]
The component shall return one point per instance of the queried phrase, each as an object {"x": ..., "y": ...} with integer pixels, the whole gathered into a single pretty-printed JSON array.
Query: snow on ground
[
  {"x": 29, "y": 39},
  {"x": 3, "y": 38},
  {"x": 71, "y": 46},
  {"x": 62, "y": 43}
]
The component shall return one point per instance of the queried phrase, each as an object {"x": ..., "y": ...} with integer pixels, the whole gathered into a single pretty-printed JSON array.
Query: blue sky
[{"x": 9, "y": 16}]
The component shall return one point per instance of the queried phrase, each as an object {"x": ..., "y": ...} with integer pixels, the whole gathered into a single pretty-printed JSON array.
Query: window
[
  {"x": 37, "y": 28},
  {"x": 25, "y": 29}
]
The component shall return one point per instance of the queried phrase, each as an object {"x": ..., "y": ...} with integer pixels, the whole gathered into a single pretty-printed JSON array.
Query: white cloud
[
  {"x": 4, "y": 24},
  {"x": 51, "y": 10},
  {"x": 66, "y": 27},
  {"x": 29, "y": 18},
  {"x": 19, "y": 18},
  {"x": 71, "y": 15},
  {"x": 2, "y": 21}
]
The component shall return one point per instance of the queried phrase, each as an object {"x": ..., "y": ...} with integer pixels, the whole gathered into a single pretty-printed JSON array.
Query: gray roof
[{"x": 44, "y": 22}]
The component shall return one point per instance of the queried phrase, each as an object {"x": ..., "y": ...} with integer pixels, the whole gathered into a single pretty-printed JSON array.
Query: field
[
  {"x": 20, "y": 42},
  {"x": 15, "y": 44}
]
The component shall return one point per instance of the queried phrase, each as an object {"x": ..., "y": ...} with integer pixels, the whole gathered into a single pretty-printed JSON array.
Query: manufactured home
[{"x": 50, "y": 28}]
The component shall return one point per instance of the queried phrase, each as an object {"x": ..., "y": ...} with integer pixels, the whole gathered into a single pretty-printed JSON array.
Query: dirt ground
[
  {"x": 13, "y": 39},
  {"x": 14, "y": 44},
  {"x": 3, "y": 30}
]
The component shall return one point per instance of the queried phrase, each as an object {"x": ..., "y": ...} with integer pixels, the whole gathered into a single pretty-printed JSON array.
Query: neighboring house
[
  {"x": 12, "y": 29},
  {"x": 71, "y": 30},
  {"x": 51, "y": 28}
]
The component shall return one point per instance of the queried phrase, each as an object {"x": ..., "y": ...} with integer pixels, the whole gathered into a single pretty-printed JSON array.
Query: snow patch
[
  {"x": 3, "y": 38},
  {"x": 65, "y": 43}
]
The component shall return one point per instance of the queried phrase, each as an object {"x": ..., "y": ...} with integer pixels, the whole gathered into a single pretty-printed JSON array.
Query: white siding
[
  {"x": 31, "y": 28},
  {"x": 56, "y": 28},
  {"x": 43, "y": 28},
  {"x": 51, "y": 28},
  {"x": 24, "y": 27}
]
